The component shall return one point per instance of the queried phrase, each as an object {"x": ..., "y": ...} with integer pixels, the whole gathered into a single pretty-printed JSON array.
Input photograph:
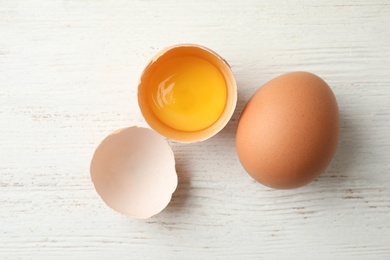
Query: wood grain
[{"x": 68, "y": 76}]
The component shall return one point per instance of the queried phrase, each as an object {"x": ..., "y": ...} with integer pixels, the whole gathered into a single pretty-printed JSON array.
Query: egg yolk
[{"x": 187, "y": 93}]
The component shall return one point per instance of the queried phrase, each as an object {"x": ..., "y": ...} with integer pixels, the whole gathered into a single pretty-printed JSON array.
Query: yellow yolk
[{"x": 187, "y": 93}]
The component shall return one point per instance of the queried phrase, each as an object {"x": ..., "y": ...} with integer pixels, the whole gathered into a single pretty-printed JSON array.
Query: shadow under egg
[
  {"x": 346, "y": 158},
  {"x": 182, "y": 193}
]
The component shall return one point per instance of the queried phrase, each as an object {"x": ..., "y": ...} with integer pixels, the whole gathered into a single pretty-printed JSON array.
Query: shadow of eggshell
[{"x": 133, "y": 171}]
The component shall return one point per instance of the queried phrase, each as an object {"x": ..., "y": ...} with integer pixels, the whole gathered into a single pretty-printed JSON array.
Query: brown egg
[{"x": 288, "y": 131}]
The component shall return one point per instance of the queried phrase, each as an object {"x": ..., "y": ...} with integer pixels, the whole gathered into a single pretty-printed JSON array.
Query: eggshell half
[
  {"x": 196, "y": 51},
  {"x": 133, "y": 171}
]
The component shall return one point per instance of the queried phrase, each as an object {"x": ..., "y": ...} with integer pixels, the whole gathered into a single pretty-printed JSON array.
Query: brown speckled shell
[{"x": 288, "y": 131}]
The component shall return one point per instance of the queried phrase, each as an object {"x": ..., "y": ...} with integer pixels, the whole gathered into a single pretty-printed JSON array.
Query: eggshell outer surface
[
  {"x": 133, "y": 170},
  {"x": 288, "y": 132}
]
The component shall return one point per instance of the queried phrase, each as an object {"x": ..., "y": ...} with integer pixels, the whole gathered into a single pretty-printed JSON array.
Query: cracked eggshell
[
  {"x": 133, "y": 170},
  {"x": 196, "y": 51}
]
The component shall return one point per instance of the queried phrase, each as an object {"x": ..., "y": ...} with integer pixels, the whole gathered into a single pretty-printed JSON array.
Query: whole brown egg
[{"x": 288, "y": 131}]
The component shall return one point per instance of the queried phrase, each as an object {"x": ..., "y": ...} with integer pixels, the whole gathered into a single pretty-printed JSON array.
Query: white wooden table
[{"x": 68, "y": 76}]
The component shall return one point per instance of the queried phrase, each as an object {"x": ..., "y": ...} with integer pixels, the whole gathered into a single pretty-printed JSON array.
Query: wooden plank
[{"x": 68, "y": 77}]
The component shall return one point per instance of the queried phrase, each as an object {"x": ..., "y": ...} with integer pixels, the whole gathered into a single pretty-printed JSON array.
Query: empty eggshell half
[{"x": 133, "y": 171}]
